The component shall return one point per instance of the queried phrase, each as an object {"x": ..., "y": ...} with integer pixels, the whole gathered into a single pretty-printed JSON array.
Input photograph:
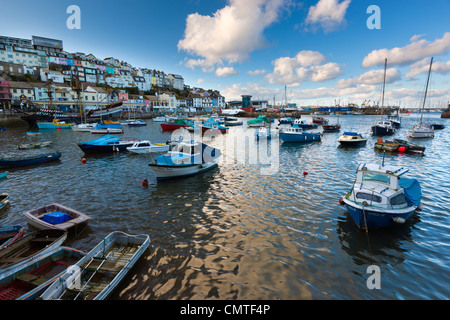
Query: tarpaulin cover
[{"x": 413, "y": 191}]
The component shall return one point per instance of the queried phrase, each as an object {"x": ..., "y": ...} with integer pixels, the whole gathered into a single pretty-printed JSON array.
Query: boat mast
[
  {"x": 384, "y": 85},
  {"x": 426, "y": 89}
]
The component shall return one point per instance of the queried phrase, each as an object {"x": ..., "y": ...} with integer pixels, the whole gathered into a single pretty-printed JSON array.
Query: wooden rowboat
[
  {"x": 55, "y": 216},
  {"x": 10, "y": 234},
  {"x": 4, "y": 201},
  {"x": 28, "y": 282},
  {"x": 30, "y": 247},
  {"x": 30, "y": 160},
  {"x": 101, "y": 270},
  {"x": 34, "y": 145}
]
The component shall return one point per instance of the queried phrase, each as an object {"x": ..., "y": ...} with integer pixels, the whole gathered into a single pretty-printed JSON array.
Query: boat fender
[
  {"x": 83, "y": 160},
  {"x": 341, "y": 201},
  {"x": 145, "y": 182},
  {"x": 419, "y": 207},
  {"x": 399, "y": 220}
]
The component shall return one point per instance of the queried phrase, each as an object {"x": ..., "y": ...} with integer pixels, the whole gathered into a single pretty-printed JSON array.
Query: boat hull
[
  {"x": 164, "y": 172},
  {"x": 11, "y": 163},
  {"x": 381, "y": 131},
  {"x": 303, "y": 137},
  {"x": 88, "y": 148},
  {"x": 375, "y": 219}
]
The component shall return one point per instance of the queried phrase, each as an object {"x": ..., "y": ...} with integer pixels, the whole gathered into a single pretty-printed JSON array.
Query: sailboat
[
  {"x": 383, "y": 128},
  {"x": 83, "y": 126},
  {"x": 422, "y": 130}
]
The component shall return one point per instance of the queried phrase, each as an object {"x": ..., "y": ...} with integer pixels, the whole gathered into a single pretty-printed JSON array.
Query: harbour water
[{"x": 234, "y": 233}]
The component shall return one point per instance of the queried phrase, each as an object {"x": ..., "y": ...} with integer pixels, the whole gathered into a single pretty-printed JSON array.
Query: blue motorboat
[
  {"x": 212, "y": 124},
  {"x": 297, "y": 134},
  {"x": 29, "y": 160},
  {"x": 108, "y": 126},
  {"x": 185, "y": 159},
  {"x": 287, "y": 120},
  {"x": 263, "y": 133},
  {"x": 351, "y": 138},
  {"x": 381, "y": 196},
  {"x": 106, "y": 143}
]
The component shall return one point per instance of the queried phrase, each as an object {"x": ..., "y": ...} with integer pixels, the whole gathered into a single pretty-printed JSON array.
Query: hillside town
[{"x": 39, "y": 73}]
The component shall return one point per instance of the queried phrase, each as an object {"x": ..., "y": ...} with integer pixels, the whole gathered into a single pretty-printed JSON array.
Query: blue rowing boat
[{"x": 28, "y": 161}]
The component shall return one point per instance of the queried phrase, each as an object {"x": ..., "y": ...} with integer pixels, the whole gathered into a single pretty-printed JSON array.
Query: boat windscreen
[{"x": 372, "y": 176}]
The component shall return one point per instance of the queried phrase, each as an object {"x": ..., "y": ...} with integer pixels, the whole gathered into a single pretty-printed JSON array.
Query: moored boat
[
  {"x": 101, "y": 270},
  {"x": 263, "y": 133},
  {"x": 10, "y": 234},
  {"x": 409, "y": 146},
  {"x": 28, "y": 282},
  {"x": 107, "y": 127},
  {"x": 212, "y": 124},
  {"x": 136, "y": 123},
  {"x": 421, "y": 131},
  {"x": 145, "y": 146},
  {"x": 258, "y": 122},
  {"x": 55, "y": 124},
  {"x": 34, "y": 145},
  {"x": 331, "y": 127},
  {"x": 437, "y": 126},
  {"x": 106, "y": 143},
  {"x": 185, "y": 159},
  {"x": 56, "y": 216},
  {"x": 4, "y": 201},
  {"x": 382, "y": 197},
  {"x": 3, "y": 174},
  {"x": 29, "y": 160},
  {"x": 386, "y": 145},
  {"x": 175, "y": 124},
  {"x": 30, "y": 247},
  {"x": 297, "y": 134},
  {"x": 350, "y": 138},
  {"x": 319, "y": 120},
  {"x": 302, "y": 124},
  {"x": 84, "y": 127}
]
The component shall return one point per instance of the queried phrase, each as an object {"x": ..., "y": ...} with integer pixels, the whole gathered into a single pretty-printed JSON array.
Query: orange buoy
[{"x": 83, "y": 160}]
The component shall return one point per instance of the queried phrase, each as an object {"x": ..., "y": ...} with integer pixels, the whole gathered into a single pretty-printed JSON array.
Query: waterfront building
[
  {"x": 176, "y": 81},
  {"x": 55, "y": 76},
  {"x": 47, "y": 44}
]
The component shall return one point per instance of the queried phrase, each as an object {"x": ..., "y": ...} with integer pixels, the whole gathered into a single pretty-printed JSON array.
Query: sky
[{"x": 320, "y": 52}]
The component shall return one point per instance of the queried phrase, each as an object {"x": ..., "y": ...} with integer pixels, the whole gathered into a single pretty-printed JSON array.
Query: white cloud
[
  {"x": 372, "y": 77},
  {"x": 257, "y": 72},
  {"x": 306, "y": 65},
  {"x": 226, "y": 71},
  {"x": 329, "y": 14},
  {"x": 424, "y": 65},
  {"x": 416, "y": 50},
  {"x": 230, "y": 34},
  {"x": 199, "y": 81}
]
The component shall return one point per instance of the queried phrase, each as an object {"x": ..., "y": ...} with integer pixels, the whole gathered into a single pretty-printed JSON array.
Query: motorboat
[
  {"x": 212, "y": 124},
  {"x": 84, "y": 127},
  {"x": 106, "y": 143},
  {"x": 350, "y": 138},
  {"x": 185, "y": 159},
  {"x": 145, "y": 146},
  {"x": 55, "y": 124},
  {"x": 381, "y": 196},
  {"x": 383, "y": 128},
  {"x": 301, "y": 124},
  {"x": 263, "y": 133},
  {"x": 107, "y": 127},
  {"x": 297, "y": 134},
  {"x": 258, "y": 122}
]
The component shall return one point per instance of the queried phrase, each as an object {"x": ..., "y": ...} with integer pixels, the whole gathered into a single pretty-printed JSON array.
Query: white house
[
  {"x": 56, "y": 76},
  {"x": 176, "y": 81}
]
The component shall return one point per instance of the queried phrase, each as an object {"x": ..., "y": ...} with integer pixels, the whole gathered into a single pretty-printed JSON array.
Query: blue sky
[{"x": 321, "y": 50}]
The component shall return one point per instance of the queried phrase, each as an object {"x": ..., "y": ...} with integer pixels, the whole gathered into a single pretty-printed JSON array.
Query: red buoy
[
  {"x": 305, "y": 173},
  {"x": 83, "y": 160},
  {"x": 145, "y": 182},
  {"x": 401, "y": 149},
  {"x": 341, "y": 201}
]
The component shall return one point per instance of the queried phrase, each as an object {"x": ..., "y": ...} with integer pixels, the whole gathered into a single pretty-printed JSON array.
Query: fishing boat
[
  {"x": 422, "y": 130},
  {"x": 437, "y": 126},
  {"x": 4, "y": 201},
  {"x": 263, "y": 133},
  {"x": 175, "y": 124},
  {"x": 331, "y": 128},
  {"x": 159, "y": 119},
  {"x": 383, "y": 128},
  {"x": 258, "y": 122},
  {"x": 212, "y": 124},
  {"x": 107, "y": 127},
  {"x": 136, "y": 123},
  {"x": 350, "y": 138},
  {"x": 29, "y": 160},
  {"x": 30, "y": 247},
  {"x": 55, "y": 124},
  {"x": 297, "y": 134},
  {"x": 287, "y": 120},
  {"x": 410, "y": 147},
  {"x": 301, "y": 124},
  {"x": 386, "y": 145},
  {"x": 10, "y": 234},
  {"x": 395, "y": 120},
  {"x": 106, "y": 143},
  {"x": 145, "y": 146},
  {"x": 3, "y": 174},
  {"x": 382, "y": 197},
  {"x": 319, "y": 120},
  {"x": 28, "y": 282},
  {"x": 185, "y": 159},
  {"x": 84, "y": 127},
  {"x": 101, "y": 270},
  {"x": 34, "y": 145},
  {"x": 56, "y": 216}
]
